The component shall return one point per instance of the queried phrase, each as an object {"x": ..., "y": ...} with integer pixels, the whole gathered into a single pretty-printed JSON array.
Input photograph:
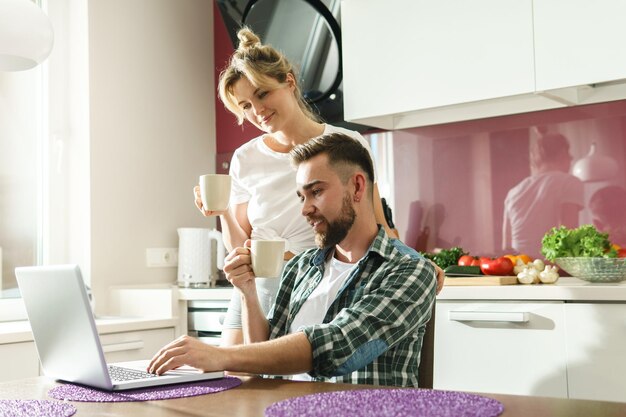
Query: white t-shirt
[
  {"x": 315, "y": 307},
  {"x": 533, "y": 207},
  {"x": 266, "y": 180}
]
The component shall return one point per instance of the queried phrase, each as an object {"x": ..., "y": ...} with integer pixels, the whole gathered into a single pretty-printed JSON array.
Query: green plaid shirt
[{"x": 372, "y": 333}]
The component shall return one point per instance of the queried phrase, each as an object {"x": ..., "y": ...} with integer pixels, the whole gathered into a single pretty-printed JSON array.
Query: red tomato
[
  {"x": 621, "y": 253},
  {"x": 496, "y": 266},
  {"x": 468, "y": 260}
]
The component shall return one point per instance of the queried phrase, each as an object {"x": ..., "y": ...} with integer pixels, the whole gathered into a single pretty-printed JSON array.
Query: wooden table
[{"x": 252, "y": 397}]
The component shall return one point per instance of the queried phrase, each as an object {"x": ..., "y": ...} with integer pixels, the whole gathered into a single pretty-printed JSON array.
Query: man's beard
[{"x": 337, "y": 230}]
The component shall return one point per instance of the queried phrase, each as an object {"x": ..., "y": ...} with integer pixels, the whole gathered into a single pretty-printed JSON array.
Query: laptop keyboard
[{"x": 125, "y": 374}]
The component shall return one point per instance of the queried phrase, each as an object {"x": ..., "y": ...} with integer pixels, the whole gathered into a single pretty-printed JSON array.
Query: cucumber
[{"x": 458, "y": 270}]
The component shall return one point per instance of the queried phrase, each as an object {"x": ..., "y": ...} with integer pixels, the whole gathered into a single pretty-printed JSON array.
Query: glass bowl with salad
[{"x": 584, "y": 253}]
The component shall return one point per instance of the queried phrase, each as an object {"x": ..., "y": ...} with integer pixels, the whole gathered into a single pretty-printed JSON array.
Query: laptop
[{"x": 67, "y": 340}]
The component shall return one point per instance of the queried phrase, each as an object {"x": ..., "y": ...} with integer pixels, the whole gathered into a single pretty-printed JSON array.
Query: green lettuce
[{"x": 584, "y": 241}]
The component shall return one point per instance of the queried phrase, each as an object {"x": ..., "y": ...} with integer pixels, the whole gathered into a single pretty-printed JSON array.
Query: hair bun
[{"x": 247, "y": 39}]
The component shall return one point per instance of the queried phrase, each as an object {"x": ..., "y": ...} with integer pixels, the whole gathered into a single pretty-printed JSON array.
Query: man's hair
[{"x": 344, "y": 154}]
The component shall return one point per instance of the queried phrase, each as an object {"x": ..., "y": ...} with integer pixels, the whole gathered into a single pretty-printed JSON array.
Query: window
[
  {"x": 21, "y": 132},
  {"x": 44, "y": 157}
]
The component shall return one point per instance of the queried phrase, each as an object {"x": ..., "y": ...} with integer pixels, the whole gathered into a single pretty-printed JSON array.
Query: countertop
[
  {"x": 218, "y": 293},
  {"x": 565, "y": 289},
  {"x": 19, "y": 331},
  {"x": 255, "y": 394}
]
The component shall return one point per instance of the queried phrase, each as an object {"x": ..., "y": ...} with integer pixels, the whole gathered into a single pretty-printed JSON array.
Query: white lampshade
[
  {"x": 594, "y": 167},
  {"x": 26, "y": 35}
]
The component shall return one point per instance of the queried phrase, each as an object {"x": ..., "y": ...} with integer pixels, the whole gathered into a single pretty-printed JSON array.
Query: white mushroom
[
  {"x": 549, "y": 275},
  {"x": 528, "y": 275},
  {"x": 519, "y": 266}
]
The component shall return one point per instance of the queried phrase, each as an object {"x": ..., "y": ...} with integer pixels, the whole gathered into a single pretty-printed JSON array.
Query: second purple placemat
[
  {"x": 71, "y": 392},
  {"x": 40, "y": 408},
  {"x": 387, "y": 403}
]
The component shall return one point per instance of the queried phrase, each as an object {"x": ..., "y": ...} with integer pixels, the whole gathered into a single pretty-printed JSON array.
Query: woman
[{"x": 259, "y": 85}]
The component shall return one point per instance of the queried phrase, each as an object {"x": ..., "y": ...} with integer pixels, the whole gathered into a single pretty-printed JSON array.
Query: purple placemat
[
  {"x": 71, "y": 392},
  {"x": 387, "y": 403},
  {"x": 29, "y": 408}
]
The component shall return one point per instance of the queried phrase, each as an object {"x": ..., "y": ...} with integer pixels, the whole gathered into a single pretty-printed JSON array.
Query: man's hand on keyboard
[{"x": 186, "y": 351}]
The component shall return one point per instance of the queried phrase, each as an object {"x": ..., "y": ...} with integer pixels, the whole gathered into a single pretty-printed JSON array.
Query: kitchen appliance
[
  {"x": 201, "y": 254},
  {"x": 314, "y": 48},
  {"x": 205, "y": 320}
]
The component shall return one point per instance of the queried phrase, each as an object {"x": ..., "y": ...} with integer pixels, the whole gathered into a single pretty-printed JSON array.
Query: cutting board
[{"x": 481, "y": 280}]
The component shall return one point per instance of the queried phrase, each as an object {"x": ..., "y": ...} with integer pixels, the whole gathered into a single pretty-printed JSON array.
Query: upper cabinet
[
  {"x": 412, "y": 63},
  {"x": 579, "y": 42}
]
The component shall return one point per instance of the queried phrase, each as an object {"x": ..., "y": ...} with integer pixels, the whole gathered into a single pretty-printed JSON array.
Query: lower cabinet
[
  {"x": 596, "y": 351},
  {"x": 135, "y": 345},
  {"x": 544, "y": 348},
  {"x": 501, "y": 347},
  {"x": 18, "y": 360}
]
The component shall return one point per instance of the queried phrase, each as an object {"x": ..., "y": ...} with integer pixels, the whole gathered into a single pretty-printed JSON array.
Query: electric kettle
[{"x": 201, "y": 253}]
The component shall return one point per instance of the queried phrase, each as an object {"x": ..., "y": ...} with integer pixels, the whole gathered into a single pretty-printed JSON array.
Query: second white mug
[{"x": 267, "y": 257}]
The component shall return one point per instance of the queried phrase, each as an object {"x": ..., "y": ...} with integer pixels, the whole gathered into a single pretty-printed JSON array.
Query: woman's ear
[{"x": 290, "y": 80}]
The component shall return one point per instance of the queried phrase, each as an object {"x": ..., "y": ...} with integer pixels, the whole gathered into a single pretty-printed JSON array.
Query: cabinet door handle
[
  {"x": 508, "y": 316},
  {"x": 119, "y": 347}
]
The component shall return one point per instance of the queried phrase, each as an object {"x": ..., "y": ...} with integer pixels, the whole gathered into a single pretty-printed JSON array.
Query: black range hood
[{"x": 308, "y": 33}]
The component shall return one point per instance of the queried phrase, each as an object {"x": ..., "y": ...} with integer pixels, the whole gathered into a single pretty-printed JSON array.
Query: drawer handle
[
  {"x": 508, "y": 316},
  {"x": 119, "y": 347}
]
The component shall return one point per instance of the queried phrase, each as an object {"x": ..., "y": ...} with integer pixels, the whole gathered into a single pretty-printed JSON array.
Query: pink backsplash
[{"x": 454, "y": 178}]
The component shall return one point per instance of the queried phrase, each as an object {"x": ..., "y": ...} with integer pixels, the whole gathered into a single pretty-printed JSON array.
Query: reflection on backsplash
[{"x": 565, "y": 166}]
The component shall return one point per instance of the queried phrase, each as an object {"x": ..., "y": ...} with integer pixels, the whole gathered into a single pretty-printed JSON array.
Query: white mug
[
  {"x": 267, "y": 257},
  {"x": 215, "y": 191}
]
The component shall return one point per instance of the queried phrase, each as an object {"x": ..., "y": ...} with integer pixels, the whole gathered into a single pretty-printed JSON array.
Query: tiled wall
[{"x": 451, "y": 180}]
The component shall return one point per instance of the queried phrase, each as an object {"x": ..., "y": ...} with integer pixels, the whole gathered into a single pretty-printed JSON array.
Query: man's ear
[{"x": 360, "y": 185}]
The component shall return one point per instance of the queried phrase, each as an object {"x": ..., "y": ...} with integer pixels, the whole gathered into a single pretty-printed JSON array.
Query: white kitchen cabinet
[
  {"x": 579, "y": 42},
  {"x": 596, "y": 350},
  {"x": 501, "y": 347},
  {"x": 135, "y": 345},
  {"x": 18, "y": 360},
  {"x": 417, "y": 54},
  {"x": 416, "y": 62}
]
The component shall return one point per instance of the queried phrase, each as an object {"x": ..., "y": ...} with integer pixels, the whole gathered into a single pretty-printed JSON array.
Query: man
[{"x": 353, "y": 310}]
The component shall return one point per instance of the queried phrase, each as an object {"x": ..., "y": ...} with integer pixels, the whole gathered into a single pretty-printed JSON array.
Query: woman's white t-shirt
[{"x": 266, "y": 181}]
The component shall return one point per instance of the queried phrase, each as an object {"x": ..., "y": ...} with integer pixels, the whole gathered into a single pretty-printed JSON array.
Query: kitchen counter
[
  {"x": 565, "y": 289},
  {"x": 252, "y": 397},
  {"x": 19, "y": 331},
  {"x": 192, "y": 294}
]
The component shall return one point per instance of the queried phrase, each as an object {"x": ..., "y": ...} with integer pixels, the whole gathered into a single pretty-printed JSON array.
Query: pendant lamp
[
  {"x": 26, "y": 35},
  {"x": 594, "y": 167}
]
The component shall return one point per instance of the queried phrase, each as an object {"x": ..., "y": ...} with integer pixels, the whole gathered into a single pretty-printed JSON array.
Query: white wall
[{"x": 152, "y": 130}]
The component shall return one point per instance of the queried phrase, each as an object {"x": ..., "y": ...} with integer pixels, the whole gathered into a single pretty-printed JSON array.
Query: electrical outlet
[{"x": 161, "y": 257}]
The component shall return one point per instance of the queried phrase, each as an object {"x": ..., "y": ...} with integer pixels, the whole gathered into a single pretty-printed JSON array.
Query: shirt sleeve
[
  {"x": 381, "y": 317},
  {"x": 238, "y": 192}
]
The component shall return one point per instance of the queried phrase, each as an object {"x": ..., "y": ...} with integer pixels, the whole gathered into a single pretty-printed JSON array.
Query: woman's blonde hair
[{"x": 263, "y": 66}]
